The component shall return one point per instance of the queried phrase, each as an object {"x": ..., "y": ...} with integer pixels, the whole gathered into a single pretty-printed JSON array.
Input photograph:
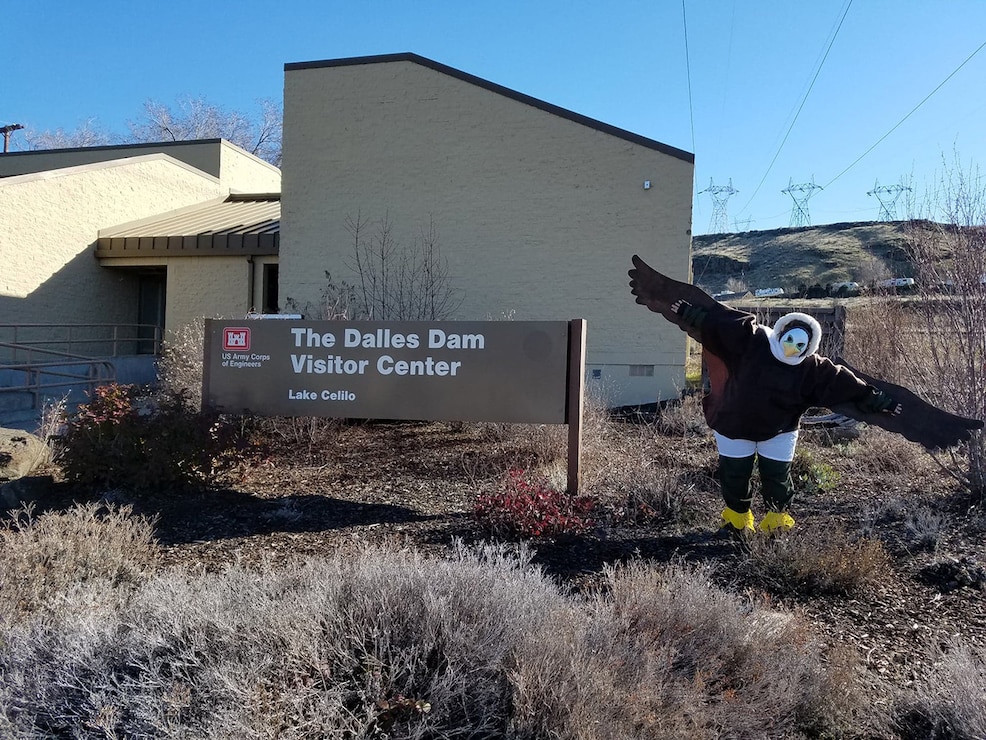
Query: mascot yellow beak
[
  {"x": 794, "y": 342},
  {"x": 793, "y": 349}
]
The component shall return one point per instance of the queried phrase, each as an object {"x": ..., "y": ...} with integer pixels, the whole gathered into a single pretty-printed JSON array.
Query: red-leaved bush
[
  {"x": 118, "y": 440},
  {"x": 527, "y": 508}
]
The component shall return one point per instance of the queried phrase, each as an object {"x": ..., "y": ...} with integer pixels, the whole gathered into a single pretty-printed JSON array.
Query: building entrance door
[{"x": 150, "y": 309}]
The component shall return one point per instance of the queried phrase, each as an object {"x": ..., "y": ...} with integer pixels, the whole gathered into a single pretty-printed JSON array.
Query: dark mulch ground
[{"x": 415, "y": 484}]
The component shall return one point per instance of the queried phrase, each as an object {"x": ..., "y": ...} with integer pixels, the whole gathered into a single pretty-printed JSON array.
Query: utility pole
[
  {"x": 888, "y": 195},
  {"x": 7, "y": 131},
  {"x": 800, "y": 195},
  {"x": 719, "y": 224}
]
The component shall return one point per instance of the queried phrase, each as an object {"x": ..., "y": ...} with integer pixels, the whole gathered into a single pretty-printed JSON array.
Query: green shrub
[
  {"x": 115, "y": 441},
  {"x": 810, "y": 476}
]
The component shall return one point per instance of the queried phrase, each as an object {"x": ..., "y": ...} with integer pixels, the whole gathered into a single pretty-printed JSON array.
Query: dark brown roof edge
[
  {"x": 114, "y": 147},
  {"x": 500, "y": 89},
  {"x": 253, "y": 196}
]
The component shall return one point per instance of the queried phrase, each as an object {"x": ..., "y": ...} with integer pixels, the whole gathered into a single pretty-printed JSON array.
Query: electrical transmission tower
[
  {"x": 800, "y": 195},
  {"x": 719, "y": 224},
  {"x": 888, "y": 195}
]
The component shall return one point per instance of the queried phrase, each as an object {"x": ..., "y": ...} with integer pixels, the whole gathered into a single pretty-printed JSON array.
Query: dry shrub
[
  {"x": 308, "y": 434},
  {"x": 817, "y": 561},
  {"x": 373, "y": 644},
  {"x": 682, "y": 418},
  {"x": 42, "y": 557},
  {"x": 388, "y": 643},
  {"x": 884, "y": 455},
  {"x": 686, "y": 659},
  {"x": 948, "y": 703},
  {"x": 179, "y": 368},
  {"x": 879, "y": 332},
  {"x": 542, "y": 449}
]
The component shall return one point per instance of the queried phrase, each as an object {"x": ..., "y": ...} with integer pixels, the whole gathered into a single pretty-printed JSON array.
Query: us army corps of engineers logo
[{"x": 236, "y": 349}]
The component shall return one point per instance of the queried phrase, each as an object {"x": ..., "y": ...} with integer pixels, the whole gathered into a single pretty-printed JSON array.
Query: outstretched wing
[
  {"x": 658, "y": 292},
  {"x": 917, "y": 421}
]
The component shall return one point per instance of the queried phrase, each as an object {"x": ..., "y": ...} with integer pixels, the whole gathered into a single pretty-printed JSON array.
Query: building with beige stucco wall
[
  {"x": 55, "y": 204},
  {"x": 537, "y": 210}
]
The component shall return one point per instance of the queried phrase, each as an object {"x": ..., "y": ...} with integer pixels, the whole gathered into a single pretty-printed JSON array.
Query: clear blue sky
[{"x": 766, "y": 94}]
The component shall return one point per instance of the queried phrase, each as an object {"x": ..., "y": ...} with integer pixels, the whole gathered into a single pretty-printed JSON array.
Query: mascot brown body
[{"x": 734, "y": 341}]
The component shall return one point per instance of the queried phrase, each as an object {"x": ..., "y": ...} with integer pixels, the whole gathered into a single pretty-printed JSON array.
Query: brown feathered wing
[{"x": 918, "y": 421}]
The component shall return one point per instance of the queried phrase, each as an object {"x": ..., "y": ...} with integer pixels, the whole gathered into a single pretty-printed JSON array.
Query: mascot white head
[{"x": 794, "y": 337}]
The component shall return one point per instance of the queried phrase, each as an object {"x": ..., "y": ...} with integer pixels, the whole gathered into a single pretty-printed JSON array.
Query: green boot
[
  {"x": 778, "y": 490},
  {"x": 734, "y": 482}
]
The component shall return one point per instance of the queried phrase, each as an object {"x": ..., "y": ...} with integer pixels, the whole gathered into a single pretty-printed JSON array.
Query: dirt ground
[{"x": 415, "y": 484}]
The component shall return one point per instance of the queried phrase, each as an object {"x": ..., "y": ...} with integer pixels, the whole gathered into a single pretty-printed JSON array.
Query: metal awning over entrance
[{"x": 235, "y": 225}]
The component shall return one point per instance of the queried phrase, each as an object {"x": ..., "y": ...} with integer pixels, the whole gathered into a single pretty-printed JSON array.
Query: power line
[
  {"x": 688, "y": 74},
  {"x": 925, "y": 100},
  {"x": 804, "y": 99}
]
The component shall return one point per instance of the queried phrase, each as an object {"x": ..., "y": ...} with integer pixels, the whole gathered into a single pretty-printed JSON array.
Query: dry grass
[
  {"x": 388, "y": 643},
  {"x": 950, "y": 703},
  {"x": 809, "y": 255},
  {"x": 817, "y": 561},
  {"x": 96, "y": 640},
  {"x": 44, "y": 558}
]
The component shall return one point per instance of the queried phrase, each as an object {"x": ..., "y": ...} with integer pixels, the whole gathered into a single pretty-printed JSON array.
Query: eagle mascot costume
[{"x": 762, "y": 379}]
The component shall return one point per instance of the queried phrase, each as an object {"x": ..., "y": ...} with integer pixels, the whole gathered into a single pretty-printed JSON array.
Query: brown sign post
[{"x": 499, "y": 371}]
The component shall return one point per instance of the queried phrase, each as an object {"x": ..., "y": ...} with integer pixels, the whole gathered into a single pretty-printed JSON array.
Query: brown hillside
[{"x": 787, "y": 258}]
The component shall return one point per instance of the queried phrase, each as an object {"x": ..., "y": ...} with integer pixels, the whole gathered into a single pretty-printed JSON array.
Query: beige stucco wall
[
  {"x": 202, "y": 287},
  {"x": 48, "y": 225},
  {"x": 537, "y": 214},
  {"x": 242, "y": 172},
  {"x": 206, "y": 287}
]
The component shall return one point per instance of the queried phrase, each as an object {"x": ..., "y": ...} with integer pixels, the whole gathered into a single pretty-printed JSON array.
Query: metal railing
[
  {"x": 38, "y": 358},
  {"x": 58, "y": 370},
  {"x": 84, "y": 340}
]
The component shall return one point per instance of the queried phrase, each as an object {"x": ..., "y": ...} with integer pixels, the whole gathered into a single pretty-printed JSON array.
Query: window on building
[
  {"x": 641, "y": 371},
  {"x": 270, "y": 289}
]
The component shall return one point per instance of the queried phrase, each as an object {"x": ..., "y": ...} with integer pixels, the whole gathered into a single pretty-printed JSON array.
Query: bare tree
[
  {"x": 196, "y": 118},
  {"x": 335, "y": 303},
  {"x": 192, "y": 118},
  {"x": 398, "y": 282},
  {"x": 939, "y": 335},
  {"x": 88, "y": 134}
]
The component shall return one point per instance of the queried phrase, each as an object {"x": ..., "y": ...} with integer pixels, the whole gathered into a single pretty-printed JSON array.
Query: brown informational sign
[{"x": 501, "y": 371}]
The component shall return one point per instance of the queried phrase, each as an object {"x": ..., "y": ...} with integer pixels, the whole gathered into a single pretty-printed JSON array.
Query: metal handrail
[
  {"x": 45, "y": 368},
  {"x": 114, "y": 335},
  {"x": 45, "y": 376}
]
